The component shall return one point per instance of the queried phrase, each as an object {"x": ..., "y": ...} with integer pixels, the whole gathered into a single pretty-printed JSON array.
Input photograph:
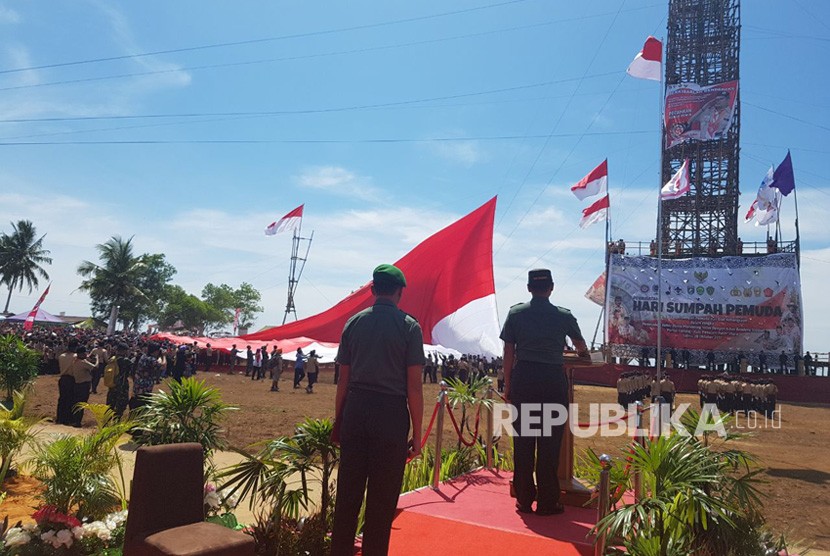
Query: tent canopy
[{"x": 40, "y": 316}]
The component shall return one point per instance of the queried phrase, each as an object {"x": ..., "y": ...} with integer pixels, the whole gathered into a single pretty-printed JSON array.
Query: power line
[
  {"x": 308, "y": 141},
  {"x": 265, "y": 113},
  {"x": 263, "y": 39},
  {"x": 554, "y": 128},
  {"x": 783, "y": 115},
  {"x": 297, "y": 57}
]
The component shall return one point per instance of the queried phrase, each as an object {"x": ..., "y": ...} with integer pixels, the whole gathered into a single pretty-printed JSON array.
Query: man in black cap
[
  {"x": 534, "y": 340},
  {"x": 379, "y": 390}
]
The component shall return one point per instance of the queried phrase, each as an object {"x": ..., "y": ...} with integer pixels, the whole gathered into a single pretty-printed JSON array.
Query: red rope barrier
[
  {"x": 460, "y": 433},
  {"x": 425, "y": 437}
]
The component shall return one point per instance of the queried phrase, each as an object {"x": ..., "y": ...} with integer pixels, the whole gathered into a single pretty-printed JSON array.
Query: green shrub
[{"x": 18, "y": 365}]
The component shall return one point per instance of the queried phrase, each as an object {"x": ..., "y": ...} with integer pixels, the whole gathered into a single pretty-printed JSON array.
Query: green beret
[{"x": 388, "y": 274}]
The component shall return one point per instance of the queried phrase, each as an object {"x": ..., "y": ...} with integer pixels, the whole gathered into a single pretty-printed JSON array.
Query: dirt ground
[{"x": 796, "y": 456}]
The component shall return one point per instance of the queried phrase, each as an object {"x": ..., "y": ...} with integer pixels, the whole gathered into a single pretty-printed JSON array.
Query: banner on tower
[
  {"x": 725, "y": 305},
  {"x": 695, "y": 113}
]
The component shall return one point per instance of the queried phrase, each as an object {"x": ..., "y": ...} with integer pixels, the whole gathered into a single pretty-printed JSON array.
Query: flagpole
[
  {"x": 660, "y": 98},
  {"x": 797, "y": 233},
  {"x": 603, "y": 313}
]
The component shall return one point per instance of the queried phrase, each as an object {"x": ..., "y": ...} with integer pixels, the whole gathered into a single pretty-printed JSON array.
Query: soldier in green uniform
[
  {"x": 534, "y": 340},
  {"x": 379, "y": 390}
]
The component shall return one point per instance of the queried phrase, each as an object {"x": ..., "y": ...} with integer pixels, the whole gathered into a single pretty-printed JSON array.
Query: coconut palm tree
[
  {"x": 115, "y": 281},
  {"x": 21, "y": 258}
]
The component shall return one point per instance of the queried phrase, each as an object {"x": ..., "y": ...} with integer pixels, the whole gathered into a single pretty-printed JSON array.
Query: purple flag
[{"x": 783, "y": 178}]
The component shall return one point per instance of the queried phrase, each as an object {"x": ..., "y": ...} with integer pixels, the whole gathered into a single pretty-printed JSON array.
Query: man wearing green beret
[
  {"x": 534, "y": 341},
  {"x": 381, "y": 358}
]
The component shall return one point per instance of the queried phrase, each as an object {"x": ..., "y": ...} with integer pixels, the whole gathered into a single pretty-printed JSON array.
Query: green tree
[
  {"x": 192, "y": 312},
  {"x": 226, "y": 299},
  {"x": 154, "y": 277},
  {"x": 21, "y": 258},
  {"x": 116, "y": 281}
]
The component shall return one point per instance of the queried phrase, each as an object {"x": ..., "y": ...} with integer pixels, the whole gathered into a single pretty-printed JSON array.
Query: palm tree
[
  {"x": 21, "y": 257},
  {"x": 115, "y": 280}
]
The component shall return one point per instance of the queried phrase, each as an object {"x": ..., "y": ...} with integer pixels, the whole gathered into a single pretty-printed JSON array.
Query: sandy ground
[{"x": 794, "y": 455}]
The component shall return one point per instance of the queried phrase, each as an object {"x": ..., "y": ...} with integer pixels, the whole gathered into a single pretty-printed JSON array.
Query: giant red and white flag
[
  {"x": 450, "y": 290},
  {"x": 678, "y": 185},
  {"x": 648, "y": 62},
  {"x": 597, "y": 212},
  {"x": 595, "y": 183},
  {"x": 29, "y": 323},
  {"x": 290, "y": 221}
]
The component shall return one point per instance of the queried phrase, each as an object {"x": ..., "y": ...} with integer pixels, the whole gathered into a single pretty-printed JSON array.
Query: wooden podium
[{"x": 574, "y": 492}]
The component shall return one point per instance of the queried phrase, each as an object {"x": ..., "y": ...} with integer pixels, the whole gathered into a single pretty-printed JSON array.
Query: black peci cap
[{"x": 539, "y": 277}]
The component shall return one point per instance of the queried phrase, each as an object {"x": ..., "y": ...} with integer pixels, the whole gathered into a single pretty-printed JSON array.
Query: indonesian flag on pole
[
  {"x": 679, "y": 183},
  {"x": 29, "y": 323},
  {"x": 764, "y": 208},
  {"x": 290, "y": 221},
  {"x": 648, "y": 62},
  {"x": 597, "y": 212},
  {"x": 450, "y": 290},
  {"x": 595, "y": 183}
]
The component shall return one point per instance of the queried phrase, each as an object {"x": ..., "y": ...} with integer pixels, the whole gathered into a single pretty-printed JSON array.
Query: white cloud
[
  {"x": 339, "y": 181},
  {"x": 18, "y": 57},
  {"x": 466, "y": 153},
  {"x": 8, "y": 15}
]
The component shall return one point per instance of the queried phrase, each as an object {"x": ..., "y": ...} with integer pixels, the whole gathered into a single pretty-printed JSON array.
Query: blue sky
[{"x": 471, "y": 99}]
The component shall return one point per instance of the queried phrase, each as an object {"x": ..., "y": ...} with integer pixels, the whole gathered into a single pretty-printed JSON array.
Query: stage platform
[{"x": 474, "y": 514}]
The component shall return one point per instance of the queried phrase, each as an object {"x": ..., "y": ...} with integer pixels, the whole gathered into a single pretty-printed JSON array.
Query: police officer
[
  {"x": 381, "y": 358},
  {"x": 534, "y": 340}
]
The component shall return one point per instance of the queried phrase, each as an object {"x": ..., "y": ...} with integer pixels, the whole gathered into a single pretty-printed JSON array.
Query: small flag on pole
[
  {"x": 597, "y": 212},
  {"x": 290, "y": 221},
  {"x": 595, "y": 183},
  {"x": 648, "y": 62},
  {"x": 678, "y": 185},
  {"x": 783, "y": 178},
  {"x": 764, "y": 208},
  {"x": 29, "y": 323}
]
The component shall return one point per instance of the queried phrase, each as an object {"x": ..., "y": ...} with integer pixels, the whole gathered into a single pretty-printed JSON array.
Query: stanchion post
[
  {"x": 659, "y": 401},
  {"x": 637, "y": 479},
  {"x": 603, "y": 501},
  {"x": 439, "y": 435},
  {"x": 488, "y": 441}
]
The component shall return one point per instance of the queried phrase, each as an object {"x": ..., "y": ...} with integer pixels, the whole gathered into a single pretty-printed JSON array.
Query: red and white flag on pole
[
  {"x": 597, "y": 212},
  {"x": 29, "y": 323},
  {"x": 290, "y": 221},
  {"x": 648, "y": 62},
  {"x": 595, "y": 183},
  {"x": 236, "y": 319},
  {"x": 678, "y": 185}
]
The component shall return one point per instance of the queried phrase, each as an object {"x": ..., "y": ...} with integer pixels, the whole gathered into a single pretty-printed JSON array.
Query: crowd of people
[
  {"x": 740, "y": 362},
  {"x": 635, "y": 386},
  {"x": 738, "y": 394}
]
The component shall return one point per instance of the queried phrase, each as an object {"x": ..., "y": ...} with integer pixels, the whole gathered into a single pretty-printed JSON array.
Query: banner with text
[
  {"x": 695, "y": 113},
  {"x": 725, "y": 304}
]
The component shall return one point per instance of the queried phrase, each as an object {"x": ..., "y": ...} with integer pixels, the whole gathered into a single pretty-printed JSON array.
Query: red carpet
[{"x": 475, "y": 515}]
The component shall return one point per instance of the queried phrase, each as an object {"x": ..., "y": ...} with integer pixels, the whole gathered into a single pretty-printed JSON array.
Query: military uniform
[
  {"x": 377, "y": 345},
  {"x": 538, "y": 329}
]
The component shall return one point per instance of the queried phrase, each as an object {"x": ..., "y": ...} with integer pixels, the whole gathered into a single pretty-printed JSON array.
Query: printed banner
[
  {"x": 726, "y": 304},
  {"x": 596, "y": 292},
  {"x": 695, "y": 113}
]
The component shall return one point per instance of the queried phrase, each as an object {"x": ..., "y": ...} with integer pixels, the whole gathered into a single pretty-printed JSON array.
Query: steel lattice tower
[{"x": 703, "y": 47}]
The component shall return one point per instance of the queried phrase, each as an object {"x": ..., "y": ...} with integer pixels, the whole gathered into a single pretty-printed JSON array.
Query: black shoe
[
  {"x": 555, "y": 510},
  {"x": 524, "y": 509}
]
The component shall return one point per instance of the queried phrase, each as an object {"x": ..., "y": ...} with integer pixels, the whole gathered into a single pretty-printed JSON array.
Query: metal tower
[
  {"x": 296, "y": 270},
  {"x": 703, "y": 47}
]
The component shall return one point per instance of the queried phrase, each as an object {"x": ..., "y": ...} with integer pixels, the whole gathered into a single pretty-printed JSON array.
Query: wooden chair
[{"x": 166, "y": 513}]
